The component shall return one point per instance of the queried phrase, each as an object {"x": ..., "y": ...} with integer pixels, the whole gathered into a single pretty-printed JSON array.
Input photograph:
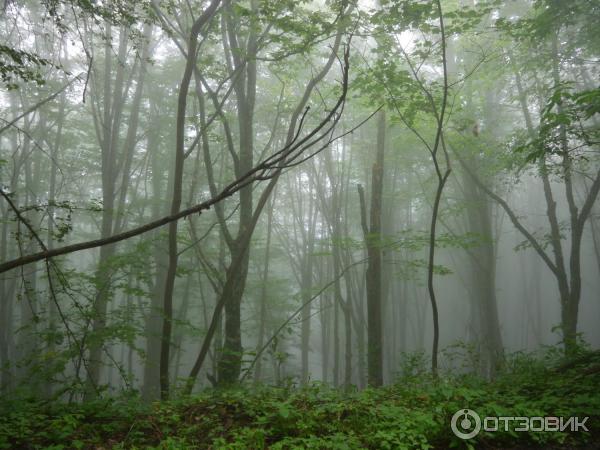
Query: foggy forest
[{"x": 328, "y": 224}]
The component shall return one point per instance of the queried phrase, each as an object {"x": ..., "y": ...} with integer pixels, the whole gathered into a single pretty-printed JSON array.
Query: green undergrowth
[{"x": 414, "y": 413}]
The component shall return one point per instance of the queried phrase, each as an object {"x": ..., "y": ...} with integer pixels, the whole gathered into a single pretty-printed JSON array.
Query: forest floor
[{"x": 414, "y": 413}]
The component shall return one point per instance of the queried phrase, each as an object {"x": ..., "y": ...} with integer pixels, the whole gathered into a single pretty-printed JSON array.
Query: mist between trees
[{"x": 215, "y": 193}]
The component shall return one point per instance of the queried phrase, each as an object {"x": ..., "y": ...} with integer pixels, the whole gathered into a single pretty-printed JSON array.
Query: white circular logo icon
[{"x": 465, "y": 423}]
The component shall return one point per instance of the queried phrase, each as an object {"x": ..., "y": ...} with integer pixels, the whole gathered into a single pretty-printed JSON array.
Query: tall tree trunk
[
  {"x": 483, "y": 279},
  {"x": 111, "y": 122},
  {"x": 27, "y": 342},
  {"x": 230, "y": 363},
  {"x": 264, "y": 292},
  {"x": 54, "y": 150},
  {"x": 177, "y": 194},
  {"x": 372, "y": 236},
  {"x": 153, "y": 322}
]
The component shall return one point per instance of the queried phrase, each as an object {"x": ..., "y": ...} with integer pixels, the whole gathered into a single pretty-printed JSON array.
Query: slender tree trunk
[
  {"x": 306, "y": 287},
  {"x": 54, "y": 149},
  {"x": 177, "y": 195},
  {"x": 325, "y": 338},
  {"x": 27, "y": 341},
  {"x": 442, "y": 177},
  {"x": 230, "y": 364},
  {"x": 153, "y": 322},
  {"x": 264, "y": 292},
  {"x": 112, "y": 103}
]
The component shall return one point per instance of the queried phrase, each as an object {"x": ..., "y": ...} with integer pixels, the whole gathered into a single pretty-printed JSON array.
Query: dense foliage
[{"x": 413, "y": 413}]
